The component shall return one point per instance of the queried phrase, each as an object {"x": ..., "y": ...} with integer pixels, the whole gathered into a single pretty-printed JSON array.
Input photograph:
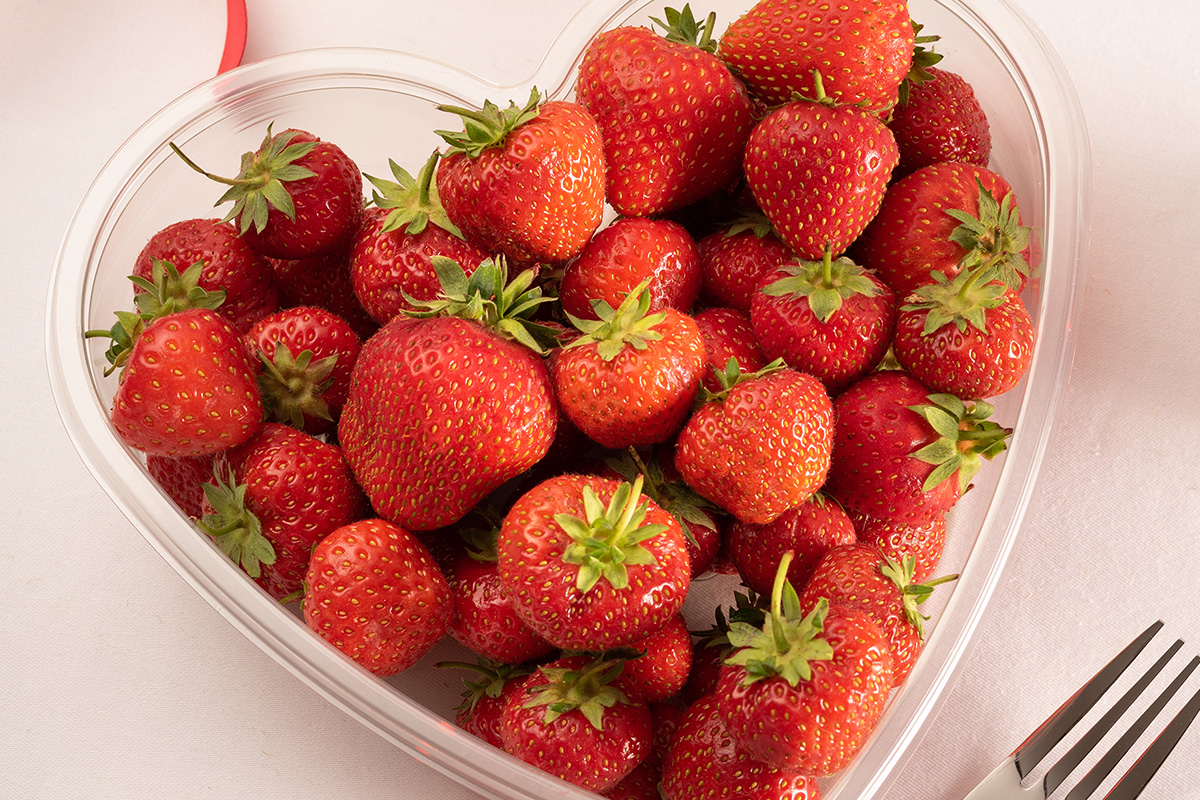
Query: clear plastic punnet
[{"x": 380, "y": 105}]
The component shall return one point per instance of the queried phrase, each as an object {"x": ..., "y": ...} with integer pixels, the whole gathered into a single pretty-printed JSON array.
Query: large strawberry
[
  {"x": 445, "y": 408},
  {"x": 701, "y": 113},
  {"x": 819, "y": 170},
  {"x": 591, "y": 564},
  {"x": 526, "y": 181},
  {"x": 863, "y": 48},
  {"x": 296, "y": 196},
  {"x": 375, "y": 593}
]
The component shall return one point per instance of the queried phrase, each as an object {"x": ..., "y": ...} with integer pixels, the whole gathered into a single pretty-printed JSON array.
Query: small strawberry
[
  {"x": 659, "y": 664},
  {"x": 270, "y": 500},
  {"x": 573, "y": 719},
  {"x": 904, "y": 454},
  {"x": 863, "y": 48},
  {"x": 296, "y": 196},
  {"x": 374, "y": 592},
  {"x": 819, "y": 170},
  {"x": 590, "y": 564},
  {"x": 922, "y": 543},
  {"x": 323, "y": 282},
  {"x": 307, "y": 356},
  {"x": 526, "y": 182},
  {"x": 728, "y": 334},
  {"x": 970, "y": 336},
  {"x": 630, "y": 379},
  {"x": 182, "y": 479},
  {"x": 940, "y": 120},
  {"x": 485, "y": 696},
  {"x": 761, "y": 445},
  {"x": 711, "y": 647},
  {"x": 804, "y": 691},
  {"x": 829, "y": 318},
  {"x": 700, "y": 113},
  {"x": 642, "y": 782},
  {"x": 735, "y": 258},
  {"x": 622, "y": 255}
]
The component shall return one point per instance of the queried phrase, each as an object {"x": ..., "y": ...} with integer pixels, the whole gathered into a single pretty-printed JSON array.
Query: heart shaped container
[{"x": 380, "y": 105}]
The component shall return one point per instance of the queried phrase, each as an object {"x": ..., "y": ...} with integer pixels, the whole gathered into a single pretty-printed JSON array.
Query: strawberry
[
  {"x": 642, "y": 782},
  {"x": 485, "y": 696},
  {"x": 939, "y": 120},
  {"x": 391, "y": 254},
  {"x": 660, "y": 663},
  {"x": 374, "y": 592},
  {"x": 182, "y": 479},
  {"x": 573, "y": 719},
  {"x": 703, "y": 761},
  {"x": 735, "y": 258},
  {"x": 728, "y": 334},
  {"x": 632, "y": 375},
  {"x": 819, "y": 171},
  {"x": 227, "y": 263},
  {"x": 323, "y": 282},
  {"x": 307, "y": 356},
  {"x": 270, "y": 500},
  {"x": 808, "y": 531},
  {"x": 970, "y": 336},
  {"x": 829, "y": 318},
  {"x": 296, "y": 196},
  {"x": 701, "y": 113},
  {"x": 712, "y": 646},
  {"x": 444, "y": 409},
  {"x": 526, "y": 182},
  {"x": 941, "y": 218},
  {"x": 804, "y": 691},
  {"x": 590, "y": 564},
  {"x": 897, "y": 541},
  {"x": 863, "y": 48},
  {"x": 631, "y": 250},
  {"x": 904, "y": 454},
  {"x": 761, "y": 445},
  {"x": 859, "y": 575}
]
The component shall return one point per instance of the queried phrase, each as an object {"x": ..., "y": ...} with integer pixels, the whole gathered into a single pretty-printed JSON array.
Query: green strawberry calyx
[
  {"x": 292, "y": 385},
  {"x": 630, "y": 324},
  {"x": 913, "y": 594},
  {"x": 588, "y": 690},
  {"x": 681, "y": 27},
  {"x": 963, "y": 301},
  {"x": 826, "y": 283},
  {"x": 965, "y": 437},
  {"x": 923, "y": 58},
  {"x": 235, "y": 529},
  {"x": 412, "y": 202},
  {"x": 749, "y": 219},
  {"x": 787, "y": 642},
  {"x": 732, "y": 376},
  {"x": 259, "y": 186},
  {"x": 608, "y": 538},
  {"x": 994, "y": 236},
  {"x": 673, "y": 496},
  {"x": 747, "y": 608},
  {"x": 489, "y": 126},
  {"x": 490, "y": 679}
]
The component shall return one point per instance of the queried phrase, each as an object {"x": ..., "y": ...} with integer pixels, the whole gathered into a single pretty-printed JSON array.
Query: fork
[{"x": 1005, "y": 782}]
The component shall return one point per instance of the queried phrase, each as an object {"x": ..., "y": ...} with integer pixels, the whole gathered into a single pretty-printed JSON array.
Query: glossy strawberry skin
[
  {"x": 942, "y": 121},
  {"x": 763, "y": 449},
  {"x": 322, "y": 282},
  {"x": 182, "y": 479},
  {"x": 728, "y": 334},
  {"x": 190, "y": 387},
  {"x": 542, "y": 587},
  {"x": 819, "y": 725},
  {"x": 422, "y": 396},
  {"x": 734, "y": 262},
  {"x": 374, "y": 592},
  {"x": 703, "y": 761},
  {"x": 701, "y": 111},
  {"x": 663, "y": 669},
  {"x": 619, "y": 257},
  {"x": 539, "y": 197},
  {"x": 819, "y": 173},
  {"x": 923, "y": 543}
]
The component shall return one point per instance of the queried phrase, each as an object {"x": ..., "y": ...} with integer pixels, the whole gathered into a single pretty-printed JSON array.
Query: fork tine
[
  {"x": 1050, "y": 732},
  {"x": 1133, "y": 781}
]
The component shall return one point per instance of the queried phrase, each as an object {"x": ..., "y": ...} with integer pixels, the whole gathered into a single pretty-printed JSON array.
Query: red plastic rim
[{"x": 235, "y": 35}]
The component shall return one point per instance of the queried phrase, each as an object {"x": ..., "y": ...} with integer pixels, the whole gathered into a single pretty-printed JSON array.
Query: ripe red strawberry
[
  {"x": 660, "y": 662},
  {"x": 904, "y": 454},
  {"x": 728, "y": 334},
  {"x": 898, "y": 541},
  {"x": 970, "y": 336},
  {"x": 182, "y": 479},
  {"x": 761, "y": 445},
  {"x": 819, "y": 170},
  {"x": 307, "y": 356},
  {"x": 703, "y": 761},
  {"x": 296, "y": 196},
  {"x": 391, "y": 255},
  {"x": 941, "y": 218},
  {"x": 860, "y": 576},
  {"x": 940, "y": 119},
  {"x": 526, "y": 182},
  {"x": 804, "y": 691},
  {"x": 323, "y": 282},
  {"x": 374, "y": 592},
  {"x": 701, "y": 113},
  {"x": 631, "y": 377},
  {"x": 621, "y": 256},
  {"x": 734, "y": 259},
  {"x": 485, "y": 696},
  {"x": 711, "y": 647},
  {"x": 831, "y": 319},
  {"x": 863, "y": 48},
  {"x": 270, "y": 500},
  {"x": 228, "y": 264},
  {"x": 642, "y": 782},
  {"x": 442, "y": 409},
  {"x": 591, "y": 564},
  {"x": 808, "y": 531}
]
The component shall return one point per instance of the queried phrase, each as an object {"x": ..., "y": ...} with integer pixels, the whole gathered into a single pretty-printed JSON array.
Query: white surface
[{"x": 118, "y": 681}]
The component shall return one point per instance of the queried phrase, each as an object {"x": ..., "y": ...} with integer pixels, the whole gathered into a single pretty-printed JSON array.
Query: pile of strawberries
[{"x": 477, "y": 404}]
